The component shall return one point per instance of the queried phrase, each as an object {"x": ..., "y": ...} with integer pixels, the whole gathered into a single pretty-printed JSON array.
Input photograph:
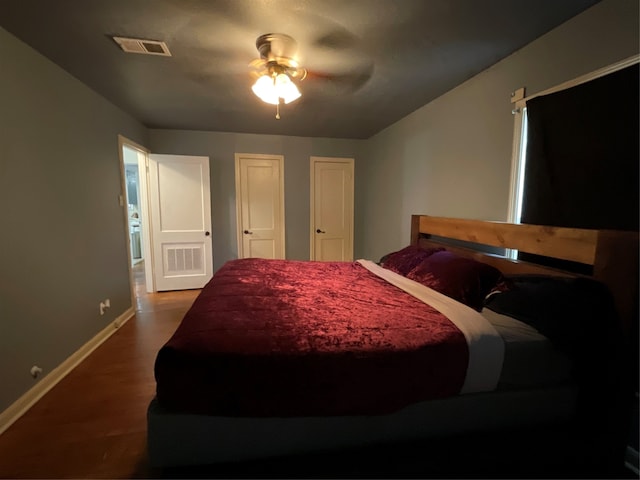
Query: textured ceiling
[{"x": 372, "y": 62}]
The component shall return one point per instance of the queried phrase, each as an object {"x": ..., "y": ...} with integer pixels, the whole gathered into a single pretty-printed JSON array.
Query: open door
[{"x": 180, "y": 205}]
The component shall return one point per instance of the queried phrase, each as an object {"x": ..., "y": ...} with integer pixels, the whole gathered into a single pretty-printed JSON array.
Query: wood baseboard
[{"x": 31, "y": 396}]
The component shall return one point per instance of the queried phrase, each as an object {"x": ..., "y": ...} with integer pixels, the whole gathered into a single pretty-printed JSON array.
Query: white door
[
  {"x": 180, "y": 204},
  {"x": 260, "y": 205},
  {"x": 332, "y": 209}
]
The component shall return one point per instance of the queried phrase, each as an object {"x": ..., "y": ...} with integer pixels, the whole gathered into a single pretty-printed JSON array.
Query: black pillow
[
  {"x": 579, "y": 317},
  {"x": 568, "y": 311}
]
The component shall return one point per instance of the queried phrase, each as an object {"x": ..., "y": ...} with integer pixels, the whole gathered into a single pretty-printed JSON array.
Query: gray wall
[
  {"x": 62, "y": 241},
  {"x": 221, "y": 149},
  {"x": 452, "y": 157}
]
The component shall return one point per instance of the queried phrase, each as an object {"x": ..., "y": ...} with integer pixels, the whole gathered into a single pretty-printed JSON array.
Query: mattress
[
  {"x": 289, "y": 338},
  {"x": 530, "y": 358}
]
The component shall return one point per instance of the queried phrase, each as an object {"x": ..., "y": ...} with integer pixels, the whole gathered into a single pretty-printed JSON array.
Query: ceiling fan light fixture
[
  {"x": 272, "y": 88},
  {"x": 286, "y": 89},
  {"x": 265, "y": 90}
]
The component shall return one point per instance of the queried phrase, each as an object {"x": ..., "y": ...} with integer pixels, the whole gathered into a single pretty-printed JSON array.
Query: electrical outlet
[{"x": 104, "y": 305}]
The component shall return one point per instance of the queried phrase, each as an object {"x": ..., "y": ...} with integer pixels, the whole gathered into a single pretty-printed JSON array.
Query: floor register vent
[
  {"x": 148, "y": 47},
  {"x": 184, "y": 260}
]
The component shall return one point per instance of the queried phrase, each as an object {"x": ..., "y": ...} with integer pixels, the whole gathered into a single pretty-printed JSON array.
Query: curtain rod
[{"x": 601, "y": 72}]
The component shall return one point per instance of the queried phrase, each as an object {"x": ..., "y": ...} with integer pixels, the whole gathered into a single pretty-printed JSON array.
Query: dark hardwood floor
[{"x": 93, "y": 425}]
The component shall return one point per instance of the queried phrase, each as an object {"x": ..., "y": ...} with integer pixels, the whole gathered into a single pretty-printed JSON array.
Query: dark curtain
[
  {"x": 582, "y": 155},
  {"x": 582, "y": 172}
]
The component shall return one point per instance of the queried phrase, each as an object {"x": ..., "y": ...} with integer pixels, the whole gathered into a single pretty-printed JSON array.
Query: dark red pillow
[
  {"x": 463, "y": 279},
  {"x": 406, "y": 259}
]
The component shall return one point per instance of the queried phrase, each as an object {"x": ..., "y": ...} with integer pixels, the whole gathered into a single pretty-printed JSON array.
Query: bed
[{"x": 282, "y": 357}]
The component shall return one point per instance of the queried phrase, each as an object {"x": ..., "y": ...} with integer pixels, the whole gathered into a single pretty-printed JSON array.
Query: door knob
[
  {"x": 247, "y": 232},
  {"x": 320, "y": 231},
  {"x": 206, "y": 234}
]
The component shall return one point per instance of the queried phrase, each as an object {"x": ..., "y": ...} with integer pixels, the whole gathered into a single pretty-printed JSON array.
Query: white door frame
[
  {"x": 239, "y": 232},
  {"x": 144, "y": 212},
  {"x": 312, "y": 188}
]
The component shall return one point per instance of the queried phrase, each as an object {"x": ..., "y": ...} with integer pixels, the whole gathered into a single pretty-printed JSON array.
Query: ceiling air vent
[{"x": 148, "y": 47}]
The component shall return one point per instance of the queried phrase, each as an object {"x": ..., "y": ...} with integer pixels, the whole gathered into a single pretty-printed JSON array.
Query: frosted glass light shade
[
  {"x": 286, "y": 89},
  {"x": 270, "y": 90},
  {"x": 265, "y": 90}
]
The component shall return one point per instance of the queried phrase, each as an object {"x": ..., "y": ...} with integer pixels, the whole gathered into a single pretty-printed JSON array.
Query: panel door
[
  {"x": 260, "y": 206},
  {"x": 180, "y": 204},
  {"x": 332, "y": 209}
]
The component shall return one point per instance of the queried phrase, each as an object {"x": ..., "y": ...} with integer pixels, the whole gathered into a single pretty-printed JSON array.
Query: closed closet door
[
  {"x": 332, "y": 181},
  {"x": 260, "y": 206}
]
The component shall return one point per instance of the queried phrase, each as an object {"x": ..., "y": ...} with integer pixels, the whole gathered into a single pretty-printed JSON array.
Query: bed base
[{"x": 181, "y": 439}]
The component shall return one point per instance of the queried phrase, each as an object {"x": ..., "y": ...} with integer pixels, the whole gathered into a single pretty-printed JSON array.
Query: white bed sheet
[
  {"x": 530, "y": 359},
  {"x": 486, "y": 347},
  {"x": 504, "y": 353}
]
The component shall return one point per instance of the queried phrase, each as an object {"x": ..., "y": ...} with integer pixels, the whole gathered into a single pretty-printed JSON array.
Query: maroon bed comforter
[{"x": 300, "y": 338}]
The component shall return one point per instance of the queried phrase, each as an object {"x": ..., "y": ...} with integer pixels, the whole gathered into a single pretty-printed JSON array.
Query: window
[
  {"x": 576, "y": 164},
  {"x": 522, "y": 164}
]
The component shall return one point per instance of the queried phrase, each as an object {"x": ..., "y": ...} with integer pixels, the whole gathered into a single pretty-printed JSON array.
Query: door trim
[
  {"x": 260, "y": 156},
  {"x": 144, "y": 211},
  {"x": 312, "y": 201}
]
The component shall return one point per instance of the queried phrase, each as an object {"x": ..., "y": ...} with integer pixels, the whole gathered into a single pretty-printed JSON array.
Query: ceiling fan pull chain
[{"x": 278, "y": 110}]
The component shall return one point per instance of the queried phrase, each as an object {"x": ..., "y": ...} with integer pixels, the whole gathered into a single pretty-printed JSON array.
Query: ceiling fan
[{"x": 276, "y": 68}]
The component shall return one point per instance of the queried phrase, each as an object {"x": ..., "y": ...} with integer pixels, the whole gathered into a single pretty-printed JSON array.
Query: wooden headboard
[{"x": 612, "y": 254}]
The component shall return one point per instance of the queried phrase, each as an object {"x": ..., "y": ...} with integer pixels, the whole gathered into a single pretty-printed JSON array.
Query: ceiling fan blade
[
  {"x": 299, "y": 73},
  {"x": 257, "y": 63},
  {"x": 340, "y": 83},
  {"x": 336, "y": 39},
  {"x": 338, "y": 62}
]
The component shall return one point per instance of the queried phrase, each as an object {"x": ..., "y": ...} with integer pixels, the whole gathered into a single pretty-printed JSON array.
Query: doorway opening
[
  {"x": 132, "y": 196},
  {"x": 133, "y": 166}
]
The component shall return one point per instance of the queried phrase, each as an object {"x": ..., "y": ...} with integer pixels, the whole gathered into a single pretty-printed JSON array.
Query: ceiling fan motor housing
[{"x": 278, "y": 48}]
